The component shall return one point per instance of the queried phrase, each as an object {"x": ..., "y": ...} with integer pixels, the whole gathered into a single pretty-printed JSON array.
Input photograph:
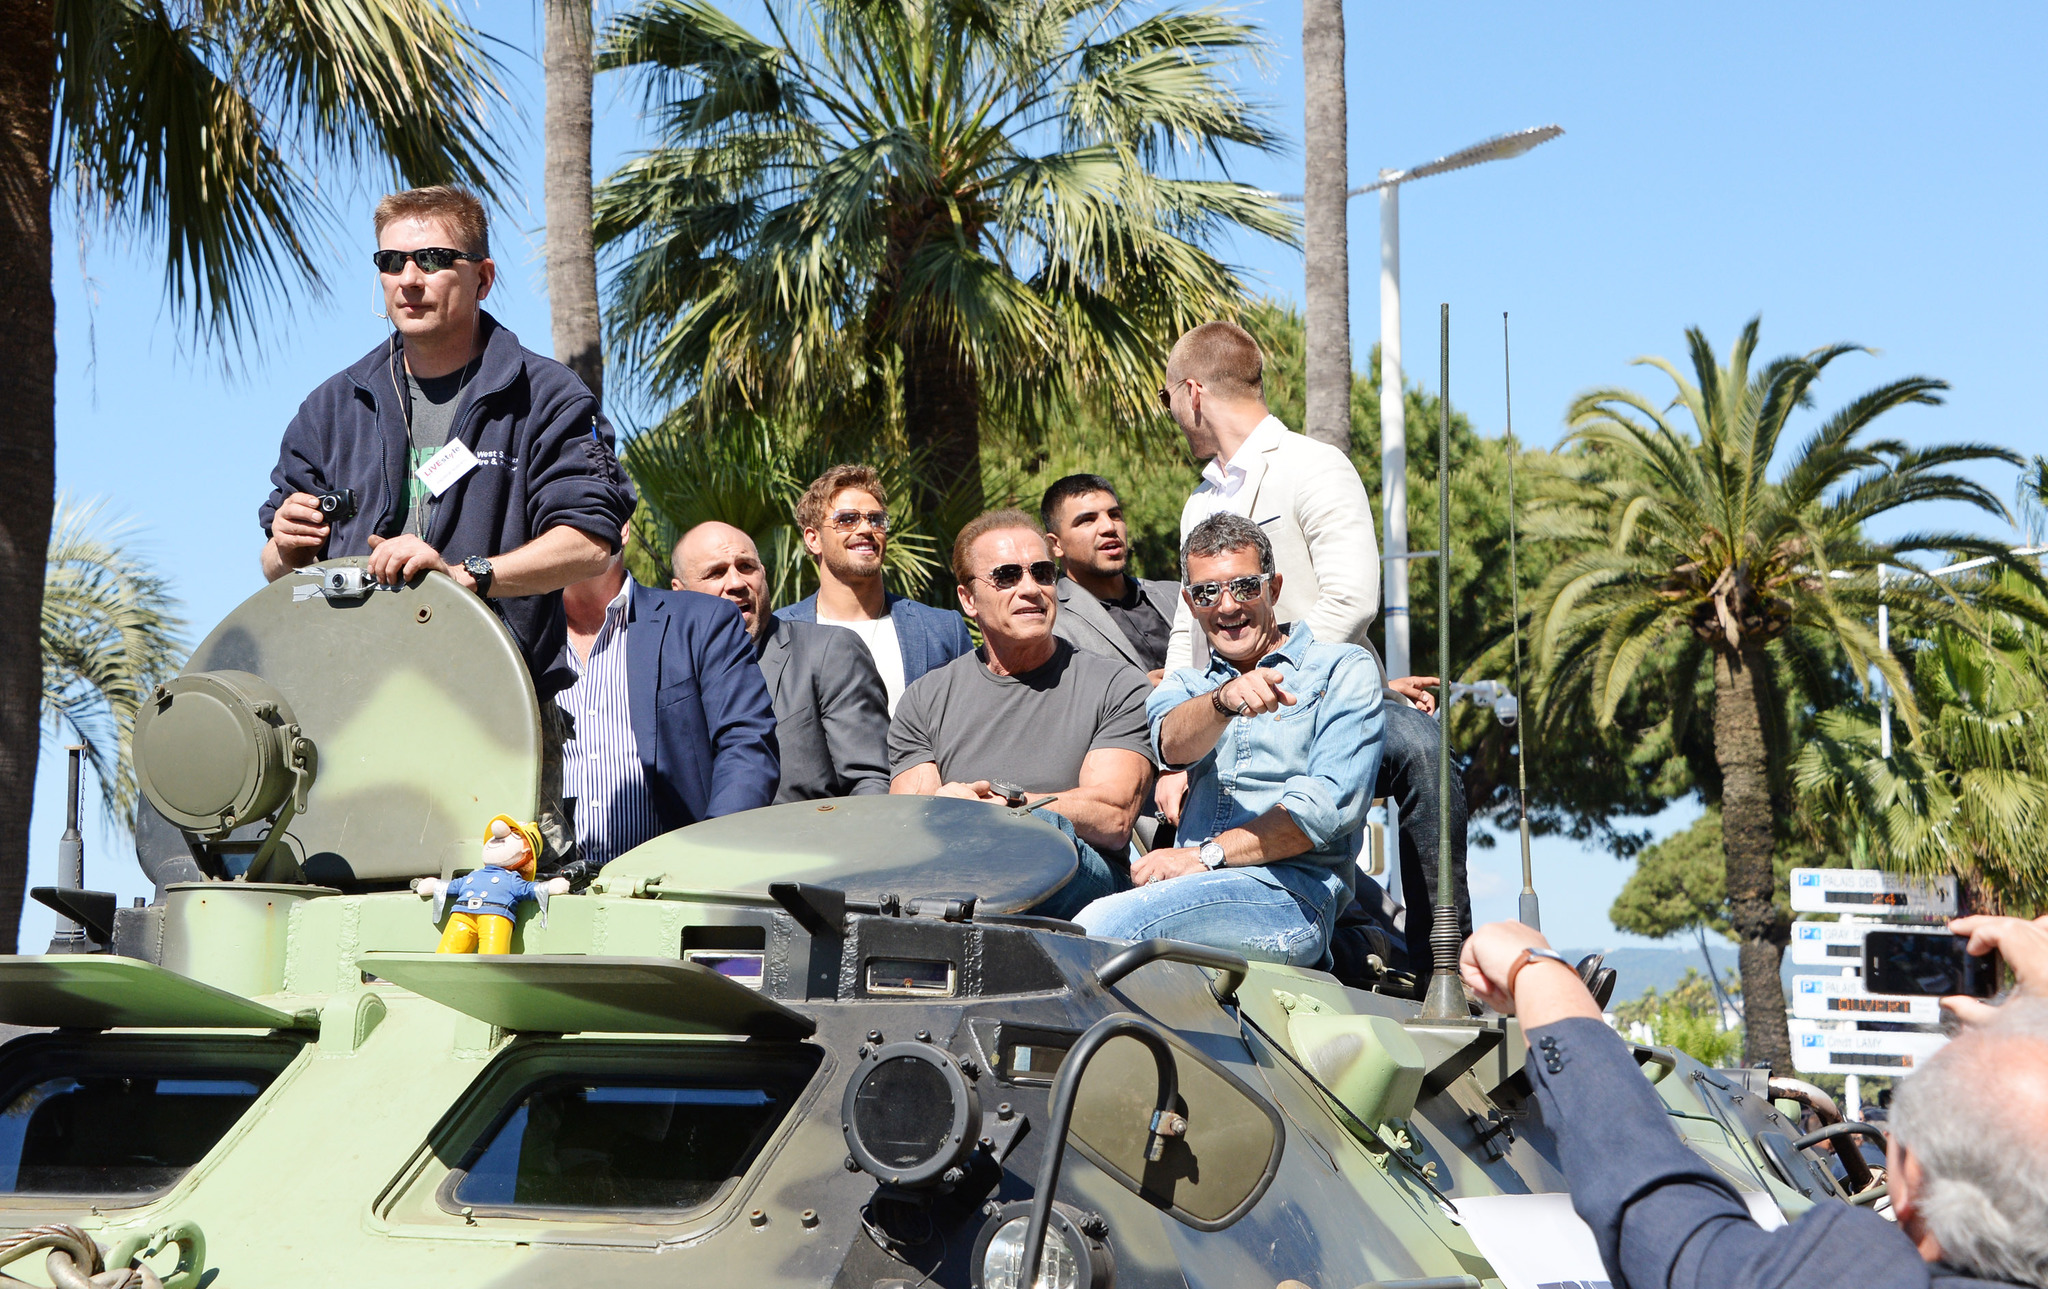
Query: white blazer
[{"x": 1311, "y": 503}]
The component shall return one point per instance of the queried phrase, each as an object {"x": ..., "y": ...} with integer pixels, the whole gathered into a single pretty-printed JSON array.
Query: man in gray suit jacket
[
  {"x": 1103, "y": 608},
  {"x": 831, "y": 713}
]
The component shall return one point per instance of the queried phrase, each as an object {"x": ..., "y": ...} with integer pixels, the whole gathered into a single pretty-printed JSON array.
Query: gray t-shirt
[
  {"x": 1033, "y": 730},
  {"x": 435, "y": 401}
]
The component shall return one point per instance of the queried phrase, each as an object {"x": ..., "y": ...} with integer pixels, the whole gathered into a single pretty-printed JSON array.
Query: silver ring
[{"x": 1244, "y": 707}]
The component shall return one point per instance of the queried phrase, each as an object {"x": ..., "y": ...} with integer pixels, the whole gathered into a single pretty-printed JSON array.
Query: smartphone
[{"x": 1926, "y": 962}]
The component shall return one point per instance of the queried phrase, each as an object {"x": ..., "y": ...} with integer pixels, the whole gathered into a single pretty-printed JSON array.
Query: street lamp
[{"x": 1393, "y": 429}]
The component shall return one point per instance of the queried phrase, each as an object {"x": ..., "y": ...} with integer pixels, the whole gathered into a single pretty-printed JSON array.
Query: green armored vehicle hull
[{"x": 816, "y": 1044}]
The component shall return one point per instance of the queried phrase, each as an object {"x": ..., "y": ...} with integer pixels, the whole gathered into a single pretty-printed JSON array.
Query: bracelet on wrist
[{"x": 1216, "y": 701}]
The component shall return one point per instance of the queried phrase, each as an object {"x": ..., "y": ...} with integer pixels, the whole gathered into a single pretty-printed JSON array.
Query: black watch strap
[{"x": 479, "y": 568}]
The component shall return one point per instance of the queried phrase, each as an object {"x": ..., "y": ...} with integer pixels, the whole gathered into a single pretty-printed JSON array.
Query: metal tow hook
[{"x": 1165, "y": 1123}]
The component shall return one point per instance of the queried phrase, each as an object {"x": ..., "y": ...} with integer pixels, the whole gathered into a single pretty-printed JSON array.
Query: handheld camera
[{"x": 338, "y": 506}]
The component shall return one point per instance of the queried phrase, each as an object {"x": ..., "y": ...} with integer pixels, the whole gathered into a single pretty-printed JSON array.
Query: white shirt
[
  {"x": 879, "y": 634},
  {"x": 601, "y": 767},
  {"x": 1222, "y": 486}
]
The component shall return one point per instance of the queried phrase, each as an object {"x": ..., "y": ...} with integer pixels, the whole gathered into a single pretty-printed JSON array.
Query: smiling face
[
  {"x": 1240, "y": 632},
  {"x": 852, "y": 556},
  {"x": 1089, "y": 534},
  {"x": 429, "y": 306},
  {"x": 718, "y": 559},
  {"x": 1021, "y": 615}
]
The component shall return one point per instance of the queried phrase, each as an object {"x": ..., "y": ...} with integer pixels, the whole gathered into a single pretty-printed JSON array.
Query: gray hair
[
  {"x": 1976, "y": 1118},
  {"x": 1222, "y": 532}
]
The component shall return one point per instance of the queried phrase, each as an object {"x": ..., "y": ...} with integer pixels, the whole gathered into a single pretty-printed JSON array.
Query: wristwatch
[
  {"x": 1534, "y": 952},
  {"x": 1211, "y": 854},
  {"x": 479, "y": 568}
]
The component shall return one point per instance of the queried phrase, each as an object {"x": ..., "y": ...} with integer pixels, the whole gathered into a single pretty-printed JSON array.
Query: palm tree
[
  {"x": 949, "y": 208},
  {"x": 572, "y": 253},
  {"x": 206, "y": 125},
  {"x": 1325, "y": 213},
  {"x": 1968, "y": 793},
  {"x": 1681, "y": 533},
  {"x": 110, "y": 634}
]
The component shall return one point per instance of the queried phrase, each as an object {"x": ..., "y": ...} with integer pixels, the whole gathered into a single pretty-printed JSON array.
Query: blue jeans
[
  {"x": 1096, "y": 877},
  {"x": 1230, "y": 908}
]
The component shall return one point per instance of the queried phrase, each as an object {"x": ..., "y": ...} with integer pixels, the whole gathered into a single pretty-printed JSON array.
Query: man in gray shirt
[{"x": 1029, "y": 711}]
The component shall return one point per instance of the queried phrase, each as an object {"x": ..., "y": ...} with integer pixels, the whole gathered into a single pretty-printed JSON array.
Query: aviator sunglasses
[
  {"x": 431, "y": 259},
  {"x": 1245, "y": 590},
  {"x": 1004, "y": 576},
  {"x": 847, "y": 521}
]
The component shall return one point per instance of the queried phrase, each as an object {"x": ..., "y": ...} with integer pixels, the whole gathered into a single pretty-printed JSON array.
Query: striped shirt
[{"x": 601, "y": 769}]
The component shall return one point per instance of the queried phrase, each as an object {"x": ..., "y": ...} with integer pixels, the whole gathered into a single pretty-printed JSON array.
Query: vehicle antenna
[
  {"x": 1532, "y": 917},
  {"x": 1446, "y": 997}
]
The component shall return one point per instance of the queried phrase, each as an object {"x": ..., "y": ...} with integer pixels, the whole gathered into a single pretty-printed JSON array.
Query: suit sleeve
[
  {"x": 745, "y": 764},
  {"x": 1662, "y": 1218},
  {"x": 959, "y": 641},
  {"x": 853, "y": 708},
  {"x": 1180, "y": 643},
  {"x": 1335, "y": 517}
]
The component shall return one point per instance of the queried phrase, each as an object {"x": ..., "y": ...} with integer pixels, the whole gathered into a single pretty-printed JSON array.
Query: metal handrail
[{"x": 1233, "y": 967}]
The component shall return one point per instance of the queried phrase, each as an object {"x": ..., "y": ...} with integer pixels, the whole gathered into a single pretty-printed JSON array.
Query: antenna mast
[{"x": 1532, "y": 917}]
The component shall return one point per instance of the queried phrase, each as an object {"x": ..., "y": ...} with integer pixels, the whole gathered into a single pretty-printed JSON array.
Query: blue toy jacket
[
  {"x": 929, "y": 637},
  {"x": 544, "y": 454},
  {"x": 489, "y": 891}
]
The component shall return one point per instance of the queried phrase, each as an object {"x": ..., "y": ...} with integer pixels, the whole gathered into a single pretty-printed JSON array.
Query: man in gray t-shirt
[{"x": 1029, "y": 709}]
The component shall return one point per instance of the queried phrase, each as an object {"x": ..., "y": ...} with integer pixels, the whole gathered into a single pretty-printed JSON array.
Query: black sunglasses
[
  {"x": 1166, "y": 392},
  {"x": 847, "y": 521},
  {"x": 431, "y": 259},
  {"x": 1245, "y": 590},
  {"x": 1004, "y": 576}
]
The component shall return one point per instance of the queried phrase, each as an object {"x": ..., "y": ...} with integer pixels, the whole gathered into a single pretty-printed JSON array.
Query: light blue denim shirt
[{"x": 1318, "y": 759}]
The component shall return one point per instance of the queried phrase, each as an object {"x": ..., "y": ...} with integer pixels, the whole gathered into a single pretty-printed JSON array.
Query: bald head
[{"x": 718, "y": 559}]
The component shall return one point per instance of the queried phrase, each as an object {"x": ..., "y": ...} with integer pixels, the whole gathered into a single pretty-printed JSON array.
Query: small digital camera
[{"x": 338, "y": 506}]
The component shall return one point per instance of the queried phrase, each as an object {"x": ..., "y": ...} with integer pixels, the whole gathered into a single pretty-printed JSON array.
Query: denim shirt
[{"x": 1318, "y": 759}]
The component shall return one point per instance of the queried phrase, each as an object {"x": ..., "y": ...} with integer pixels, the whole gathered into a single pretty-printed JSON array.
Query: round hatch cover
[{"x": 212, "y": 750}]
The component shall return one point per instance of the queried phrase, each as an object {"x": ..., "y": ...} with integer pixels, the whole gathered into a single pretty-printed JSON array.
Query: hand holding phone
[{"x": 2022, "y": 944}]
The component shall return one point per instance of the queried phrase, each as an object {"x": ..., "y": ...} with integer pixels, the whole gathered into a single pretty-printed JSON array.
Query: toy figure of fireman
[{"x": 487, "y": 899}]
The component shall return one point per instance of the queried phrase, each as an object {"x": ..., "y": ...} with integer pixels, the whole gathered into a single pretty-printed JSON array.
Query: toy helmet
[{"x": 530, "y": 831}]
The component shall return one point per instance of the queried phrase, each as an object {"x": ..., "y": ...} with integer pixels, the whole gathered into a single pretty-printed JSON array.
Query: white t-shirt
[
  {"x": 1222, "y": 486},
  {"x": 879, "y": 635}
]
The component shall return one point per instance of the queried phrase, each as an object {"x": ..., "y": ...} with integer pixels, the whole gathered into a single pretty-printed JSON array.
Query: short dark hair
[
  {"x": 1226, "y": 532},
  {"x": 810, "y": 508},
  {"x": 457, "y": 207},
  {"x": 1223, "y": 357},
  {"x": 1074, "y": 485},
  {"x": 992, "y": 521}
]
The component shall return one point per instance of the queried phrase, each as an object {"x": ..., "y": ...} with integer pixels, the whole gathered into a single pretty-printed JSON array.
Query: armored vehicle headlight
[
  {"x": 213, "y": 750},
  {"x": 909, "y": 1114},
  {"x": 1073, "y": 1259}
]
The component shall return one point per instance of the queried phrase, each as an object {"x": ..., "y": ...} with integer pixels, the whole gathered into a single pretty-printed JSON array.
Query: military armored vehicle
[{"x": 815, "y": 1044}]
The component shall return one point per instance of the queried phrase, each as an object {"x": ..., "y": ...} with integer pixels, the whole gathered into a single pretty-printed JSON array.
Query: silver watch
[{"x": 1211, "y": 854}]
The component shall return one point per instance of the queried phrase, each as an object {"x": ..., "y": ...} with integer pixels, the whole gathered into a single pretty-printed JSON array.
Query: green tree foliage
[
  {"x": 1681, "y": 554},
  {"x": 211, "y": 124},
  {"x": 976, "y": 209},
  {"x": 1967, "y": 792},
  {"x": 1689, "y": 1017},
  {"x": 110, "y": 634}
]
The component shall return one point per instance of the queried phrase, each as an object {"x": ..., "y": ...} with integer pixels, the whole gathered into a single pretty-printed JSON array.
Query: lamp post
[{"x": 1393, "y": 428}]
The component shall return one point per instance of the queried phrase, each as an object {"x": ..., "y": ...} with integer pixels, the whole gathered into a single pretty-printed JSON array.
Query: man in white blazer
[{"x": 1306, "y": 495}]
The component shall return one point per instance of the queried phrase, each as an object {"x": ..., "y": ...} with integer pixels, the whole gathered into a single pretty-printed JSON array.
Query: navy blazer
[
  {"x": 698, "y": 706},
  {"x": 929, "y": 638},
  {"x": 1663, "y": 1218}
]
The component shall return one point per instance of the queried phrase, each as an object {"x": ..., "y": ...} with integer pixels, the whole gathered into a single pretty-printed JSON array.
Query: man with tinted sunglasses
[
  {"x": 1280, "y": 736},
  {"x": 844, "y": 515},
  {"x": 1030, "y": 712},
  {"x": 451, "y": 448}
]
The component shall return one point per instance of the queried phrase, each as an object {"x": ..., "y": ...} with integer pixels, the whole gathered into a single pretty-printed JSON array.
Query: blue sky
[{"x": 1869, "y": 173}]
